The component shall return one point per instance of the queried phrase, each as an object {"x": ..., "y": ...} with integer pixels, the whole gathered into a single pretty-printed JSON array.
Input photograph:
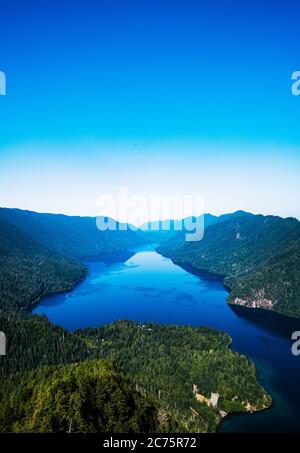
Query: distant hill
[
  {"x": 172, "y": 231},
  {"x": 91, "y": 395},
  {"x": 168, "y": 230},
  {"x": 258, "y": 255},
  {"x": 29, "y": 271},
  {"x": 158, "y": 230},
  {"x": 72, "y": 236}
]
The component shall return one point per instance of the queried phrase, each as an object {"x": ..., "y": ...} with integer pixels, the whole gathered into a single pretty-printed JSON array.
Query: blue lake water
[{"x": 149, "y": 287}]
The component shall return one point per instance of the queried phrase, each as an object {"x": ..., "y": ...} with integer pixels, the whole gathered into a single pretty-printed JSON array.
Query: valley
[{"x": 166, "y": 327}]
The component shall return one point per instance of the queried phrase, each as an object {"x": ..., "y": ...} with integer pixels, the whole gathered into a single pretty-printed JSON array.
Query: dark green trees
[{"x": 89, "y": 396}]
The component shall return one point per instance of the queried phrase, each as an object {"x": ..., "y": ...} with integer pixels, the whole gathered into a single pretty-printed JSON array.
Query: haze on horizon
[
  {"x": 70, "y": 179},
  {"x": 159, "y": 97}
]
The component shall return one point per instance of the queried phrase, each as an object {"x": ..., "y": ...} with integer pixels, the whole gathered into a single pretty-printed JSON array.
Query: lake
[{"x": 149, "y": 287}]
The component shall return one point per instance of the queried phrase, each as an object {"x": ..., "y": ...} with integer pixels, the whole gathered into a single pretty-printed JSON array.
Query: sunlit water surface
[{"x": 149, "y": 287}]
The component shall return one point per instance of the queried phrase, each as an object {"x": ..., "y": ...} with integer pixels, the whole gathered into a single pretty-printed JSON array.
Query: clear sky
[{"x": 158, "y": 96}]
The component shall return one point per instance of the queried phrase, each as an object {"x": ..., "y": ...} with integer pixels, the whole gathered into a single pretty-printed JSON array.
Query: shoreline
[
  {"x": 104, "y": 258},
  {"x": 198, "y": 272},
  {"x": 28, "y": 308},
  {"x": 204, "y": 272},
  {"x": 220, "y": 277}
]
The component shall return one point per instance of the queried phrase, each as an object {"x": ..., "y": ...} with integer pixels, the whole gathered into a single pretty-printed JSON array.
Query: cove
[{"x": 150, "y": 287}]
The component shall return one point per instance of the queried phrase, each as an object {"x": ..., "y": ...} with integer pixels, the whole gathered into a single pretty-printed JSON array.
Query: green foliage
[
  {"x": 87, "y": 397},
  {"x": 258, "y": 255},
  {"x": 29, "y": 271},
  {"x": 166, "y": 361},
  {"x": 162, "y": 362},
  {"x": 33, "y": 341},
  {"x": 71, "y": 235}
]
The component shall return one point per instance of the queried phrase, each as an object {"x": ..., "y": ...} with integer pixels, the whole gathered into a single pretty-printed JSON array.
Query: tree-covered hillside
[
  {"x": 177, "y": 363},
  {"x": 71, "y": 235},
  {"x": 258, "y": 255},
  {"x": 173, "y": 372},
  {"x": 164, "y": 363},
  {"x": 32, "y": 341},
  {"x": 164, "y": 231},
  {"x": 85, "y": 397},
  {"x": 29, "y": 271}
]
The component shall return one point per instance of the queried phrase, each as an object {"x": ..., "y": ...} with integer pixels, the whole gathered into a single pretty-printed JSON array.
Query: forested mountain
[
  {"x": 85, "y": 397},
  {"x": 173, "y": 372},
  {"x": 258, "y": 255},
  {"x": 32, "y": 341},
  {"x": 164, "y": 363},
  {"x": 71, "y": 236},
  {"x": 204, "y": 221},
  {"x": 174, "y": 231},
  {"x": 158, "y": 231},
  {"x": 29, "y": 271},
  {"x": 168, "y": 230},
  {"x": 181, "y": 366}
]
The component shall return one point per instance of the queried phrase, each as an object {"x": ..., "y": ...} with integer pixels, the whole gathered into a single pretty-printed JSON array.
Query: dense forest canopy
[
  {"x": 29, "y": 271},
  {"x": 170, "y": 378},
  {"x": 162, "y": 363},
  {"x": 89, "y": 396},
  {"x": 169, "y": 361},
  {"x": 71, "y": 236}
]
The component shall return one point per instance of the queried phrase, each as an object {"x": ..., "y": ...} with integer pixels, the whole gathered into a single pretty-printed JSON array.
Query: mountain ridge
[
  {"x": 72, "y": 236},
  {"x": 251, "y": 252},
  {"x": 29, "y": 271}
]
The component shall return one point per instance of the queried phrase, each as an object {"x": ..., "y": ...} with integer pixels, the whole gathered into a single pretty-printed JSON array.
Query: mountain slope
[
  {"x": 163, "y": 362},
  {"x": 258, "y": 255},
  {"x": 176, "y": 363},
  {"x": 29, "y": 271},
  {"x": 90, "y": 396},
  {"x": 46, "y": 399},
  {"x": 189, "y": 227},
  {"x": 71, "y": 236},
  {"x": 32, "y": 341}
]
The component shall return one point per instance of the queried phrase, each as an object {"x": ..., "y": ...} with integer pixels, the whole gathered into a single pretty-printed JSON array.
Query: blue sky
[{"x": 157, "y": 96}]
